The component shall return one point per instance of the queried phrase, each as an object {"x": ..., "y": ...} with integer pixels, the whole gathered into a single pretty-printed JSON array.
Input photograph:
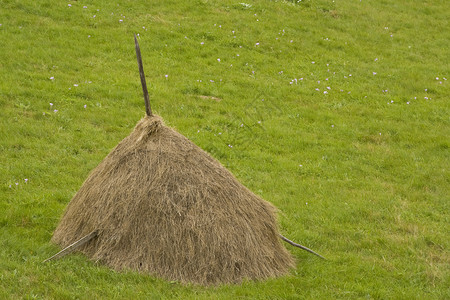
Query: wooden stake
[
  {"x": 74, "y": 246},
  {"x": 148, "y": 109},
  {"x": 300, "y": 246}
]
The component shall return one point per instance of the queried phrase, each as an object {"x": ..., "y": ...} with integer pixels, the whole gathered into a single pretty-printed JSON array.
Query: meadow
[{"x": 337, "y": 112}]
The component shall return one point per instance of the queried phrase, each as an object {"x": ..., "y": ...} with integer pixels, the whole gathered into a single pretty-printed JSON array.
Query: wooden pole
[
  {"x": 300, "y": 246},
  {"x": 74, "y": 246},
  {"x": 148, "y": 109}
]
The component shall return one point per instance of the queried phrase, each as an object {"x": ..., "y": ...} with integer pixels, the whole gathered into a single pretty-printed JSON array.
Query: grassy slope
[{"x": 357, "y": 177}]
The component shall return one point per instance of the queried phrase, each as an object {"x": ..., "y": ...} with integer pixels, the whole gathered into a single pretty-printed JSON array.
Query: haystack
[{"x": 161, "y": 205}]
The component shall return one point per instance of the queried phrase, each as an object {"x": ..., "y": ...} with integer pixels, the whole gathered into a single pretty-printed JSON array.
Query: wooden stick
[
  {"x": 300, "y": 246},
  {"x": 74, "y": 246},
  {"x": 148, "y": 109}
]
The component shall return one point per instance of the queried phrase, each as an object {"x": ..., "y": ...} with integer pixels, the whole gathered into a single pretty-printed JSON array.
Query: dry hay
[{"x": 162, "y": 205}]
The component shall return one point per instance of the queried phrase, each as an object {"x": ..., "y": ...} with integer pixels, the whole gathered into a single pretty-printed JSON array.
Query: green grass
[{"x": 359, "y": 174}]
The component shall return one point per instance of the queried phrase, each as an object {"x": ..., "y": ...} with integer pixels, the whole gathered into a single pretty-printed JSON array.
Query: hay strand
[{"x": 148, "y": 109}]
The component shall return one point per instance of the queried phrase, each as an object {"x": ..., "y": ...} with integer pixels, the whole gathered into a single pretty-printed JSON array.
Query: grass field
[{"x": 337, "y": 112}]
